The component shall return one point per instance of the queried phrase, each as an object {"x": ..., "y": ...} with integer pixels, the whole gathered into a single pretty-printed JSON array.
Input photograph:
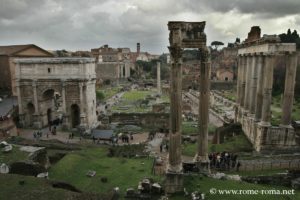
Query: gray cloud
[{"x": 75, "y": 24}]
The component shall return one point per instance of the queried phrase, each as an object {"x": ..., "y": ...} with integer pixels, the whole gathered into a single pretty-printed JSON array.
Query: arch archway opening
[{"x": 75, "y": 115}]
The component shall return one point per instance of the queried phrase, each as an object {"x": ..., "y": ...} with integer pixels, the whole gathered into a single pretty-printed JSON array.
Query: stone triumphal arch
[{"x": 56, "y": 88}]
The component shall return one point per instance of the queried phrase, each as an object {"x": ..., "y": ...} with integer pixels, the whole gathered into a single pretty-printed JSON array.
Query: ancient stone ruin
[
  {"x": 186, "y": 35},
  {"x": 56, "y": 87},
  {"x": 257, "y": 57}
]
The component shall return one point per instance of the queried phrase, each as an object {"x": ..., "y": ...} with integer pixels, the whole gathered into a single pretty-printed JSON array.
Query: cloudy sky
[{"x": 86, "y": 24}]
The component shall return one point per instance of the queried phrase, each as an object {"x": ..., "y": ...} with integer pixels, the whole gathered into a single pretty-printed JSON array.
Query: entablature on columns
[
  {"x": 268, "y": 49},
  {"x": 187, "y": 34}
]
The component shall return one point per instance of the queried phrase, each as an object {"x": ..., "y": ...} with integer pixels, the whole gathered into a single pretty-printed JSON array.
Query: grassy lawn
[
  {"x": 109, "y": 92},
  {"x": 32, "y": 189},
  {"x": 13, "y": 156},
  {"x": 135, "y": 95},
  {"x": 238, "y": 143},
  {"x": 131, "y": 102},
  {"x": 193, "y": 183},
  {"x": 189, "y": 128},
  {"x": 120, "y": 172}
]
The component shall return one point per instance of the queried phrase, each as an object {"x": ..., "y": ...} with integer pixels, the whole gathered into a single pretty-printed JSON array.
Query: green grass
[
  {"x": 194, "y": 183},
  {"x": 131, "y": 102},
  {"x": 109, "y": 92},
  {"x": 33, "y": 189},
  {"x": 120, "y": 172},
  {"x": 239, "y": 143},
  {"x": 13, "y": 156},
  {"x": 135, "y": 95},
  {"x": 230, "y": 94}
]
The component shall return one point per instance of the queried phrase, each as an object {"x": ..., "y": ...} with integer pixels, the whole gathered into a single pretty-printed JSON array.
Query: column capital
[
  {"x": 176, "y": 52},
  {"x": 204, "y": 54}
]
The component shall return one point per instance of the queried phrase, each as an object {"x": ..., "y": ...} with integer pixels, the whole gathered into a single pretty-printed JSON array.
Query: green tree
[
  {"x": 216, "y": 44},
  {"x": 100, "y": 95}
]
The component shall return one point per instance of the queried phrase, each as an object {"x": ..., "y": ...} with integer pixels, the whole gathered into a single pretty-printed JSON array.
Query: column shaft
[
  {"x": 204, "y": 93},
  {"x": 254, "y": 74},
  {"x": 63, "y": 96},
  {"x": 248, "y": 84},
  {"x": 175, "y": 110},
  {"x": 243, "y": 80},
  {"x": 260, "y": 83},
  {"x": 158, "y": 78},
  {"x": 239, "y": 81},
  {"x": 19, "y": 97},
  {"x": 267, "y": 91},
  {"x": 36, "y": 106},
  {"x": 289, "y": 86}
]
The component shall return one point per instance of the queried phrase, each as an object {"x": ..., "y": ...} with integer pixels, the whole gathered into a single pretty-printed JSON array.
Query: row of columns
[{"x": 255, "y": 82}]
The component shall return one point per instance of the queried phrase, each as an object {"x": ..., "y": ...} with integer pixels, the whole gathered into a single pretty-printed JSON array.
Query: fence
[{"x": 265, "y": 165}]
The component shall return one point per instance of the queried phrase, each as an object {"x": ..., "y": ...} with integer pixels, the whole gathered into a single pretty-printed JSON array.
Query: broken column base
[
  {"x": 202, "y": 164},
  {"x": 174, "y": 182}
]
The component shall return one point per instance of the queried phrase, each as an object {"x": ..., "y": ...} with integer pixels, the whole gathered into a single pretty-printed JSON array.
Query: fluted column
[
  {"x": 267, "y": 91},
  {"x": 19, "y": 97},
  {"x": 35, "y": 99},
  {"x": 63, "y": 96},
  {"x": 158, "y": 78},
  {"x": 239, "y": 81},
  {"x": 254, "y": 74},
  {"x": 260, "y": 82},
  {"x": 248, "y": 83},
  {"x": 202, "y": 152},
  {"x": 243, "y": 80},
  {"x": 175, "y": 164},
  {"x": 82, "y": 105},
  {"x": 289, "y": 86}
]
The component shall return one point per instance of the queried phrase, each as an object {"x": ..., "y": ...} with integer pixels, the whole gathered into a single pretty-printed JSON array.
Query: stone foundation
[
  {"x": 174, "y": 182},
  {"x": 266, "y": 138}
]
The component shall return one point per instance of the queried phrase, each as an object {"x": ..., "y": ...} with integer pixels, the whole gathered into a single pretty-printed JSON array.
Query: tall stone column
[
  {"x": 175, "y": 164},
  {"x": 158, "y": 78},
  {"x": 19, "y": 97},
  {"x": 248, "y": 83},
  {"x": 239, "y": 81},
  {"x": 64, "y": 107},
  {"x": 289, "y": 86},
  {"x": 267, "y": 91},
  {"x": 202, "y": 150},
  {"x": 82, "y": 106},
  {"x": 254, "y": 74},
  {"x": 37, "y": 119},
  {"x": 260, "y": 83},
  {"x": 243, "y": 80},
  {"x": 21, "y": 112},
  {"x": 35, "y": 99}
]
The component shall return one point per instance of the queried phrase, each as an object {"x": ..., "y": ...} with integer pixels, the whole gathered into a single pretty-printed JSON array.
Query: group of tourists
[{"x": 224, "y": 160}]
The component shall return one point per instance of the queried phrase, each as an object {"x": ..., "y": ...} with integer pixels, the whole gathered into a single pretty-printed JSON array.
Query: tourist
[
  {"x": 160, "y": 148},
  {"x": 94, "y": 139},
  {"x": 238, "y": 166}
]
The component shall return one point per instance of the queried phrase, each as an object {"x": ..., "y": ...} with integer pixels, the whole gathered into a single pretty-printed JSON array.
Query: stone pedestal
[
  {"x": 202, "y": 164},
  {"x": 174, "y": 182}
]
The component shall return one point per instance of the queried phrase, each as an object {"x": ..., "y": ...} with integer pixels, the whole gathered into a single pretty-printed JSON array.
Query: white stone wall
[{"x": 75, "y": 76}]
